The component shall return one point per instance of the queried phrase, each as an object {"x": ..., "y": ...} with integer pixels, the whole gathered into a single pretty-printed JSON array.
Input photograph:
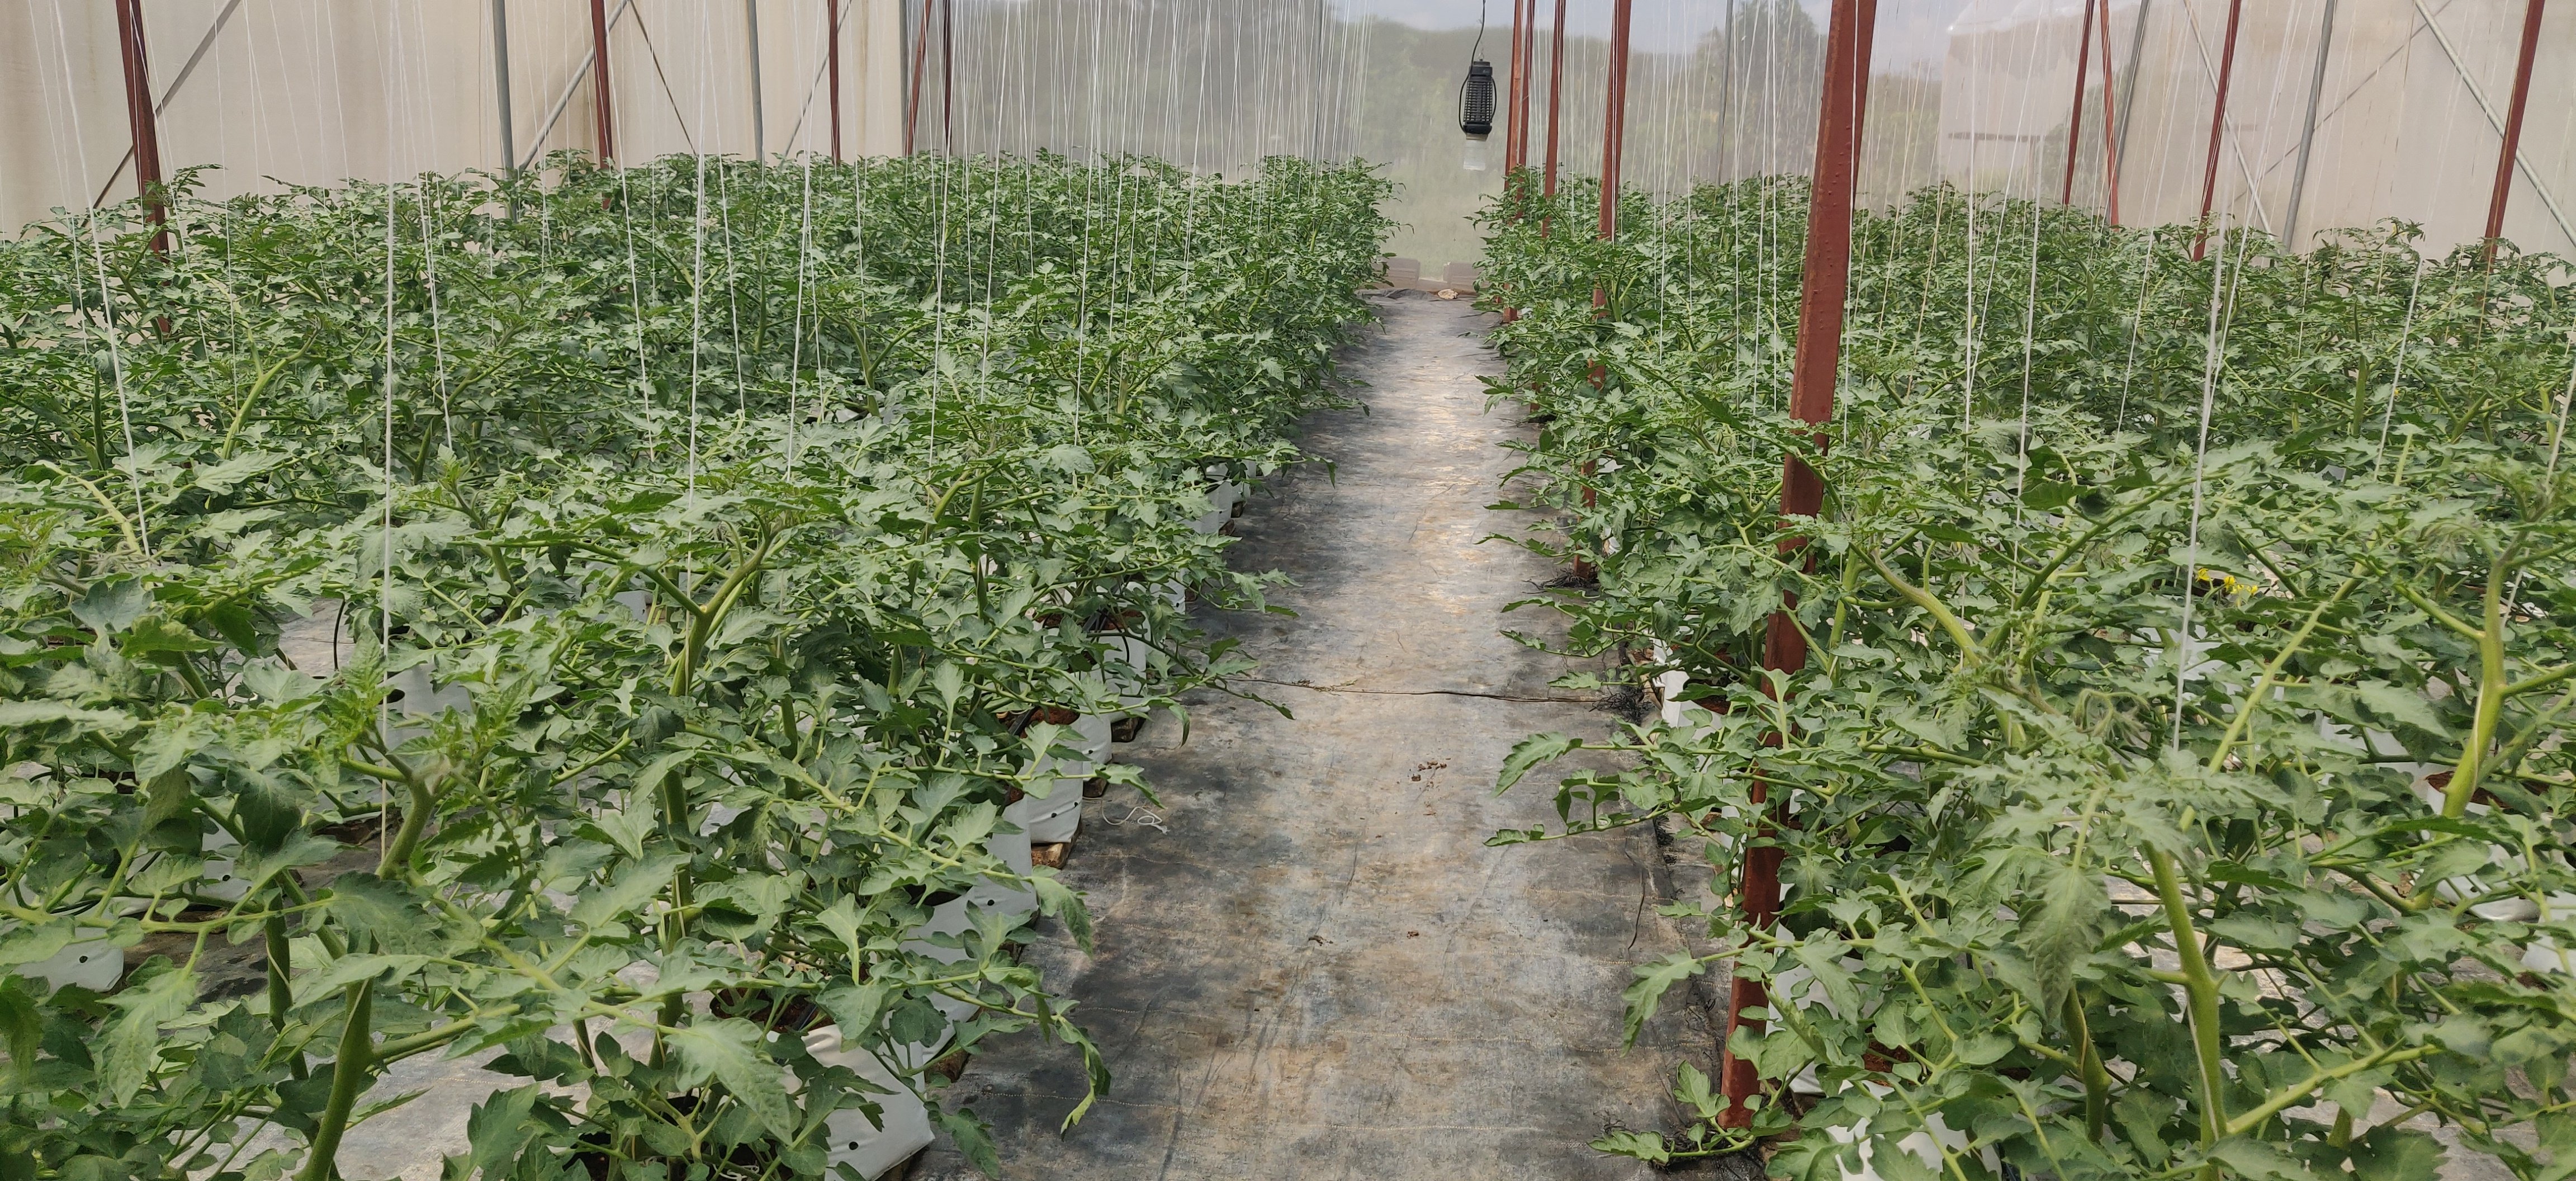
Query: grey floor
[{"x": 1313, "y": 968}]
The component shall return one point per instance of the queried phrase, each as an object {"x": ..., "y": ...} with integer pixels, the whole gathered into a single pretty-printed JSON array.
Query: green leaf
[
  {"x": 842, "y": 920},
  {"x": 1068, "y": 458},
  {"x": 856, "y": 1008},
  {"x": 1530, "y": 752},
  {"x": 1059, "y": 902},
  {"x": 498, "y": 1129},
  {"x": 626, "y": 828},
  {"x": 387, "y": 912},
  {"x": 949, "y": 682},
  {"x": 633, "y": 888},
  {"x": 277, "y": 684},
  {"x": 34, "y": 943},
  {"x": 2064, "y": 928},
  {"x": 132, "y": 1045},
  {"x": 728, "y": 1051},
  {"x": 112, "y": 604},
  {"x": 1653, "y": 981},
  {"x": 2397, "y": 1154},
  {"x": 29, "y": 714},
  {"x": 973, "y": 1139},
  {"x": 350, "y": 969},
  {"x": 2403, "y": 705},
  {"x": 2254, "y": 1159},
  {"x": 158, "y": 634},
  {"x": 22, "y": 1025},
  {"x": 1644, "y": 1146},
  {"x": 1825, "y": 964}
]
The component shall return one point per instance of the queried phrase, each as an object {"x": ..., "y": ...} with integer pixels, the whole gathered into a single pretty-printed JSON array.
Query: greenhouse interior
[{"x": 1833, "y": 590}]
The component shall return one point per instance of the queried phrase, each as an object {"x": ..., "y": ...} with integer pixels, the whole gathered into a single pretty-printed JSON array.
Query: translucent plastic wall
[
  {"x": 318, "y": 91},
  {"x": 2340, "y": 113}
]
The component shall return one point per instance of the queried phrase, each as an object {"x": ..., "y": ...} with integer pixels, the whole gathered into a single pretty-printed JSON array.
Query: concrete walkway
[{"x": 1314, "y": 968}]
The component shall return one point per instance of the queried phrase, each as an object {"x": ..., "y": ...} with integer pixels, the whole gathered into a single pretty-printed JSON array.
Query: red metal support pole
[
  {"x": 2217, "y": 129},
  {"x": 1515, "y": 88},
  {"x": 1528, "y": 81},
  {"x": 2110, "y": 131},
  {"x": 1555, "y": 93},
  {"x": 2075, "y": 118},
  {"x": 603, "y": 121},
  {"x": 138, "y": 112},
  {"x": 831, "y": 65},
  {"x": 1614, "y": 133},
  {"x": 1512, "y": 75},
  {"x": 2513, "y": 125},
  {"x": 948, "y": 76},
  {"x": 1821, "y": 297},
  {"x": 1614, "y": 128},
  {"x": 920, "y": 58}
]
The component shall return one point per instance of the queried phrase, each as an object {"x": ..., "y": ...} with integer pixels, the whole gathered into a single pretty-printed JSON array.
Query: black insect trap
[{"x": 1476, "y": 111}]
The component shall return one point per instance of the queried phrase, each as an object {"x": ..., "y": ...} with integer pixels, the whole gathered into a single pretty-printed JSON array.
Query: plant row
[
  {"x": 2172, "y": 781},
  {"x": 629, "y": 621}
]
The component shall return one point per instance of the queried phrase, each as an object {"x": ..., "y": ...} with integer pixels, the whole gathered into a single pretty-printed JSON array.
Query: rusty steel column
[
  {"x": 920, "y": 58},
  {"x": 603, "y": 123},
  {"x": 1511, "y": 91},
  {"x": 2217, "y": 129},
  {"x": 1614, "y": 130},
  {"x": 2513, "y": 125},
  {"x": 831, "y": 65},
  {"x": 1821, "y": 298},
  {"x": 948, "y": 76},
  {"x": 1555, "y": 93},
  {"x": 1527, "y": 52},
  {"x": 2110, "y": 137},
  {"x": 142, "y": 122},
  {"x": 1614, "y": 127},
  {"x": 2075, "y": 118}
]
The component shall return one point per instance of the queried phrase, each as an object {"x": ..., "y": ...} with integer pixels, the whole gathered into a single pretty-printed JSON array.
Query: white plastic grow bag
[
  {"x": 1224, "y": 496},
  {"x": 1052, "y": 820},
  {"x": 2543, "y": 954},
  {"x": 89, "y": 961},
  {"x": 1922, "y": 1143},
  {"x": 1129, "y": 661},
  {"x": 870, "y": 1149},
  {"x": 955, "y": 916},
  {"x": 222, "y": 874}
]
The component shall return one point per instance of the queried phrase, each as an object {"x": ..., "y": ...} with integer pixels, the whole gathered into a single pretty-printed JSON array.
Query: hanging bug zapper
[{"x": 1476, "y": 111}]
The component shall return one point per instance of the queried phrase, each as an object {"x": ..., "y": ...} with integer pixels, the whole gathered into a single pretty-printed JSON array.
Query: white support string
[
  {"x": 2179, "y": 646},
  {"x": 796, "y": 334},
  {"x": 106, "y": 305},
  {"x": 385, "y": 556},
  {"x": 2405, "y": 337},
  {"x": 2222, "y": 312}
]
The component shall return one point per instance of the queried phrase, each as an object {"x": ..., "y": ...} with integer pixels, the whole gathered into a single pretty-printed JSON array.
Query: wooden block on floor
[{"x": 1050, "y": 855}]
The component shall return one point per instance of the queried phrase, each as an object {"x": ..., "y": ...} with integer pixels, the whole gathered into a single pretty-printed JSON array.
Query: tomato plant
[
  {"x": 612, "y": 617},
  {"x": 2176, "y": 782}
]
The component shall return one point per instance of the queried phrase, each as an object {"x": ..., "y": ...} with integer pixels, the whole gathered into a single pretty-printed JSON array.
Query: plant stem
[
  {"x": 2200, "y": 987},
  {"x": 2088, "y": 1065},
  {"x": 2492, "y": 687},
  {"x": 349, "y": 1071}
]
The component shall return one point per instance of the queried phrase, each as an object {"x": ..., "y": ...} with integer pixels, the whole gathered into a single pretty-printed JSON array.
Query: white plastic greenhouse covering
[
  {"x": 2342, "y": 112},
  {"x": 2294, "y": 117}
]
